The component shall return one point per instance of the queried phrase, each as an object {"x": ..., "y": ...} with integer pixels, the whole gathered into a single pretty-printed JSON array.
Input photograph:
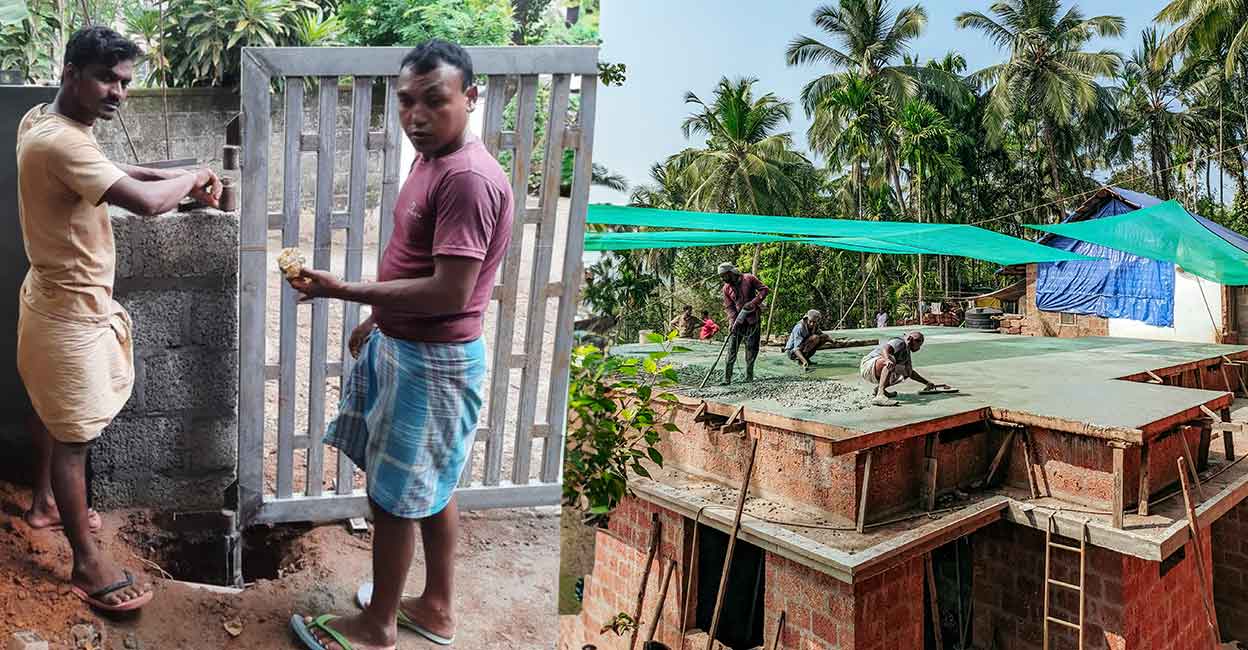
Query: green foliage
[
  {"x": 24, "y": 42},
  {"x": 613, "y": 425},
  {"x": 204, "y": 38},
  {"x": 612, "y": 74},
  {"x": 408, "y": 22}
]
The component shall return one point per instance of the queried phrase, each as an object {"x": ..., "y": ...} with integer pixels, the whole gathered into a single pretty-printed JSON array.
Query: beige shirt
[{"x": 62, "y": 177}]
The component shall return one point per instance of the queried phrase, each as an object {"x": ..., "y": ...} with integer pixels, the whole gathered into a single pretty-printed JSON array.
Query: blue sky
[{"x": 674, "y": 46}]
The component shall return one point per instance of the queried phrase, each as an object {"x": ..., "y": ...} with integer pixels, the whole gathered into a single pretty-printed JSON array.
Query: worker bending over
[
  {"x": 890, "y": 364},
  {"x": 805, "y": 339}
]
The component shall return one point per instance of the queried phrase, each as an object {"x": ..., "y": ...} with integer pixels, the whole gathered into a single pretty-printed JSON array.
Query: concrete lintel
[{"x": 842, "y": 565}]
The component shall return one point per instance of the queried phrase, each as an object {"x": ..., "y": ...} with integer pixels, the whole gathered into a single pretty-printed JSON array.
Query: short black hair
[
  {"x": 435, "y": 52},
  {"x": 99, "y": 44},
  {"x": 706, "y": 313},
  {"x": 688, "y": 308}
]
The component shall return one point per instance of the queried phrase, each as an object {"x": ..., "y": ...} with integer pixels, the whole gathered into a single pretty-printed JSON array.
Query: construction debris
[{"x": 27, "y": 640}]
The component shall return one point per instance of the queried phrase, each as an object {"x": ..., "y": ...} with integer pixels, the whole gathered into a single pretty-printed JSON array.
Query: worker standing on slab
[
  {"x": 890, "y": 364},
  {"x": 686, "y": 323},
  {"x": 411, "y": 402},
  {"x": 709, "y": 326},
  {"x": 74, "y": 341},
  {"x": 805, "y": 339},
  {"x": 743, "y": 295}
]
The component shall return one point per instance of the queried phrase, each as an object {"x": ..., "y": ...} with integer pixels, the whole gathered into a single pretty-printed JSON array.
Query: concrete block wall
[
  {"x": 1047, "y": 323},
  {"x": 197, "y": 121},
  {"x": 1129, "y": 603},
  {"x": 175, "y": 444},
  {"x": 1230, "y": 571}
]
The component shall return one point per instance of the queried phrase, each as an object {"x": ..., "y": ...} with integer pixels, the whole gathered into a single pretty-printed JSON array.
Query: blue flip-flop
[{"x": 364, "y": 595}]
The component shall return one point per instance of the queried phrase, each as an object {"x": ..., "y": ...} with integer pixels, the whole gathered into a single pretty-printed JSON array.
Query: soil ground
[{"x": 504, "y": 567}]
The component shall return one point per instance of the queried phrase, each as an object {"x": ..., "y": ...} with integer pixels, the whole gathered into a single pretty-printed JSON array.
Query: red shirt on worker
[
  {"x": 457, "y": 205},
  {"x": 748, "y": 290}
]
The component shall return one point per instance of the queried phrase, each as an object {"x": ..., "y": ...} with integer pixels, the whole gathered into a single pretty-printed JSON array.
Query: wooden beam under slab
[
  {"x": 1145, "y": 489},
  {"x": 1119, "y": 470},
  {"x": 862, "y": 499}
]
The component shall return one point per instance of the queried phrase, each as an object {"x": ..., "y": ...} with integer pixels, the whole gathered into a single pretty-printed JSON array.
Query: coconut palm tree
[
  {"x": 847, "y": 128},
  {"x": 1049, "y": 78},
  {"x": 746, "y": 165},
  {"x": 1209, "y": 25}
]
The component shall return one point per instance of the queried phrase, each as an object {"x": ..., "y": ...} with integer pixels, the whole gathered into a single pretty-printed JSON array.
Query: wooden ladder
[{"x": 1049, "y": 545}]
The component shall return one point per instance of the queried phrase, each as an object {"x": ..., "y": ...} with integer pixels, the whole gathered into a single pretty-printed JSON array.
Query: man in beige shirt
[{"x": 74, "y": 348}]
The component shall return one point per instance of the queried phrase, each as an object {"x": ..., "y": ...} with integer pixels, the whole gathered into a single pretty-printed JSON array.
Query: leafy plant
[
  {"x": 408, "y": 22},
  {"x": 26, "y": 35},
  {"x": 613, "y": 425},
  {"x": 314, "y": 28},
  {"x": 205, "y": 37}
]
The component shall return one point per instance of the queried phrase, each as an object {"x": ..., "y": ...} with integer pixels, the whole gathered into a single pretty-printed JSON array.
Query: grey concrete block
[
  {"x": 191, "y": 378},
  {"x": 123, "y": 235},
  {"x": 161, "y": 492},
  {"x": 139, "y": 446},
  {"x": 160, "y": 317},
  {"x": 198, "y": 243},
  {"x": 210, "y": 446},
  {"x": 214, "y": 320}
]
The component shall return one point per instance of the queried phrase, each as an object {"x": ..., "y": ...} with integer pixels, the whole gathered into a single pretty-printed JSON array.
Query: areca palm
[
  {"x": 847, "y": 128},
  {"x": 746, "y": 166},
  {"x": 1049, "y": 77}
]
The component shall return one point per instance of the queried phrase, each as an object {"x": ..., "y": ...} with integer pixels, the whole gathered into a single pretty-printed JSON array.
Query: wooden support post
[
  {"x": 653, "y": 625},
  {"x": 732, "y": 546},
  {"x": 1187, "y": 451},
  {"x": 700, "y": 414},
  {"x": 929, "y": 487},
  {"x": 1119, "y": 470},
  {"x": 775, "y": 641},
  {"x": 656, "y": 535},
  {"x": 1156, "y": 379},
  {"x": 1228, "y": 437},
  {"x": 862, "y": 498},
  {"x": 1239, "y": 374},
  {"x": 1031, "y": 470},
  {"x": 1193, "y": 526},
  {"x": 688, "y": 586},
  {"x": 932, "y": 600},
  {"x": 1145, "y": 489},
  {"x": 1226, "y": 381},
  {"x": 996, "y": 461},
  {"x": 736, "y": 421}
]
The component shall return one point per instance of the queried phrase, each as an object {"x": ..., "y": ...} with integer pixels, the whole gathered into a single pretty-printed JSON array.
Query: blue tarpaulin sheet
[{"x": 1119, "y": 285}]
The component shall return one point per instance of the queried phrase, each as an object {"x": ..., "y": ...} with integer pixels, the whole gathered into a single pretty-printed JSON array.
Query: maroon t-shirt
[{"x": 458, "y": 205}]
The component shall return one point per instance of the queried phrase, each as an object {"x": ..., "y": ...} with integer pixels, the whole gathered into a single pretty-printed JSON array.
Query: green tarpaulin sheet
[
  {"x": 886, "y": 237},
  {"x": 1167, "y": 232}
]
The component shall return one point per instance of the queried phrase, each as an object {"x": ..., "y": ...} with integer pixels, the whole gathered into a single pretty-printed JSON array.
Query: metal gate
[{"x": 527, "y": 335}]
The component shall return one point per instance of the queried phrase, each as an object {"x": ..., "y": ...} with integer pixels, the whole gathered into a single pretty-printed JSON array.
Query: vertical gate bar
[
  {"x": 390, "y": 166},
  {"x": 253, "y": 239},
  {"x": 543, "y": 244},
  {"x": 500, "y": 368},
  {"x": 573, "y": 248},
  {"x": 288, "y": 323},
  {"x": 361, "y": 112},
  {"x": 327, "y": 125}
]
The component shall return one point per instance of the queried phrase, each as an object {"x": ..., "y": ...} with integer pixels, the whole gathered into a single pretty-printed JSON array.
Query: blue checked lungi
[{"x": 408, "y": 417}]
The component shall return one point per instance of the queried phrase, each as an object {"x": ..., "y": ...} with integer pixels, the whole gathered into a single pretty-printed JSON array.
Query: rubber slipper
[
  {"x": 885, "y": 402},
  {"x": 95, "y": 599},
  {"x": 364, "y": 595},
  {"x": 94, "y": 523}
]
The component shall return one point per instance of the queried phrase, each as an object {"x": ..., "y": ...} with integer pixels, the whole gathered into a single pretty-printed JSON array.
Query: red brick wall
[
  {"x": 1129, "y": 605},
  {"x": 1047, "y": 323},
  {"x": 1230, "y": 571}
]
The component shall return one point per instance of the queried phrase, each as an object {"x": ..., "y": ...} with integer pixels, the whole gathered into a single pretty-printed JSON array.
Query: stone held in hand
[{"x": 290, "y": 261}]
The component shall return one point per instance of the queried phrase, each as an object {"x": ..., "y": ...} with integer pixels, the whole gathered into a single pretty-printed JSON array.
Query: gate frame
[{"x": 260, "y": 66}]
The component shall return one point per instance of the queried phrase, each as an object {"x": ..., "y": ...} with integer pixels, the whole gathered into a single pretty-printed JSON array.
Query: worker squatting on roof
[
  {"x": 890, "y": 363},
  {"x": 805, "y": 339},
  {"x": 743, "y": 294}
]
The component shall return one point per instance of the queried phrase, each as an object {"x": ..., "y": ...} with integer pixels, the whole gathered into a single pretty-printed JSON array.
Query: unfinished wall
[
  {"x": 1198, "y": 313},
  {"x": 174, "y": 446},
  {"x": 1130, "y": 603},
  {"x": 1230, "y": 571},
  {"x": 1047, "y": 323}
]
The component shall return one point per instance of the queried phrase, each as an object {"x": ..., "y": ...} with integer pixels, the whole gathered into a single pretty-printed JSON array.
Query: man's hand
[
  {"x": 316, "y": 284},
  {"x": 207, "y": 188},
  {"x": 359, "y": 336}
]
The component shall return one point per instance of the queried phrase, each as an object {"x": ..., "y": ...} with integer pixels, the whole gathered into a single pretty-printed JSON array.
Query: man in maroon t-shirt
[
  {"x": 411, "y": 403},
  {"x": 743, "y": 297}
]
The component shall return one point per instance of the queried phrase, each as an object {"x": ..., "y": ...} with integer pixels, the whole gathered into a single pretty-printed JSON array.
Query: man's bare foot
[
  {"x": 91, "y": 577},
  {"x": 361, "y": 632},
  {"x": 437, "y": 619},
  {"x": 41, "y": 515}
]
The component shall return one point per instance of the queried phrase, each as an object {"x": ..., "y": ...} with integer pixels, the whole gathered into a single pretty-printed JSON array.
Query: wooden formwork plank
[
  {"x": 321, "y": 243},
  {"x": 1228, "y": 437},
  {"x": 500, "y": 368},
  {"x": 1146, "y": 490},
  {"x": 357, "y": 205},
  {"x": 1119, "y": 471},
  {"x": 1191, "y": 464},
  {"x": 570, "y": 291},
  {"x": 288, "y": 327},
  {"x": 543, "y": 242},
  {"x": 996, "y": 460},
  {"x": 389, "y": 166},
  {"x": 253, "y": 262},
  {"x": 862, "y": 498}
]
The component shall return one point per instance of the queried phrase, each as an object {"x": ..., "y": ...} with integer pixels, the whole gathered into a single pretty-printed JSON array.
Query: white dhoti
[{"x": 78, "y": 371}]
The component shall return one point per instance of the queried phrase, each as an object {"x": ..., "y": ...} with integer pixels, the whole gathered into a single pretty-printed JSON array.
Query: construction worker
[
  {"x": 743, "y": 295},
  {"x": 890, "y": 364},
  {"x": 709, "y": 326},
  {"x": 686, "y": 323},
  {"x": 75, "y": 350},
  {"x": 805, "y": 339}
]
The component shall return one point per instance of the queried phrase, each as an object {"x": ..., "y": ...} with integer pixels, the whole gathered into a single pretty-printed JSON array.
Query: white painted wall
[{"x": 1191, "y": 316}]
